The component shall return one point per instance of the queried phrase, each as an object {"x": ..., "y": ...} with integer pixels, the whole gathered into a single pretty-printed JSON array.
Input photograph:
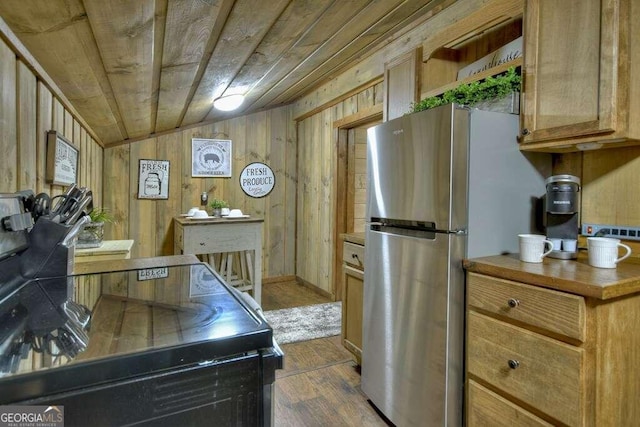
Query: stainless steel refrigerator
[{"x": 443, "y": 185}]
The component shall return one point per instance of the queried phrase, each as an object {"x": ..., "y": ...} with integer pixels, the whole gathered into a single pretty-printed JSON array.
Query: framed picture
[
  {"x": 62, "y": 160},
  {"x": 211, "y": 157},
  {"x": 153, "y": 179}
]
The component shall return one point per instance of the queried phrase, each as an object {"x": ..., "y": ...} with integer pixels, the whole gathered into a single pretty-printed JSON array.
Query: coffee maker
[{"x": 562, "y": 212}]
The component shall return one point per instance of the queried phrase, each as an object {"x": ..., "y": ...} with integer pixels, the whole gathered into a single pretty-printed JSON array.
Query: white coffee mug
[
  {"x": 532, "y": 247},
  {"x": 569, "y": 245},
  {"x": 557, "y": 243},
  {"x": 603, "y": 252}
]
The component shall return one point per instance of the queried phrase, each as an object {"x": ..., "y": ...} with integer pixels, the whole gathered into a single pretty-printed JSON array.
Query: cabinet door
[
  {"x": 544, "y": 373},
  {"x": 402, "y": 84},
  {"x": 486, "y": 408},
  {"x": 352, "y": 304},
  {"x": 571, "y": 75}
]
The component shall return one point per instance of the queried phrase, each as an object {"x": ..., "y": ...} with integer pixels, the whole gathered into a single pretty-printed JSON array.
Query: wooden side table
[{"x": 223, "y": 236}]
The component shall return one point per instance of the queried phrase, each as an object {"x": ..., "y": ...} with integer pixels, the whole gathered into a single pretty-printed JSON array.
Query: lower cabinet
[
  {"x": 539, "y": 357},
  {"x": 352, "y": 301},
  {"x": 487, "y": 408}
]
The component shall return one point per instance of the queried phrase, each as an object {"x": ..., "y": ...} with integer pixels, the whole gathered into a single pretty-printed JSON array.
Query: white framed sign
[
  {"x": 257, "y": 180},
  {"x": 62, "y": 160},
  {"x": 153, "y": 179},
  {"x": 210, "y": 157}
]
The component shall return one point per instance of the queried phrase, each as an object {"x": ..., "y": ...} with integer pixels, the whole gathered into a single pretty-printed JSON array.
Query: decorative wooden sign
[{"x": 506, "y": 53}]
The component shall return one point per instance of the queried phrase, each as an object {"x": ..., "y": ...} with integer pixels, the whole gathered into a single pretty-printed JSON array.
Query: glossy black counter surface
[{"x": 145, "y": 321}]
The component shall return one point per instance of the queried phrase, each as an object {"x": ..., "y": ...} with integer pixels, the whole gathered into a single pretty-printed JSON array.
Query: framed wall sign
[
  {"x": 62, "y": 160},
  {"x": 153, "y": 179},
  {"x": 210, "y": 157},
  {"x": 257, "y": 180}
]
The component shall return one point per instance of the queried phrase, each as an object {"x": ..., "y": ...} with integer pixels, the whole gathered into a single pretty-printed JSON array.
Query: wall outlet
[{"x": 616, "y": 231}]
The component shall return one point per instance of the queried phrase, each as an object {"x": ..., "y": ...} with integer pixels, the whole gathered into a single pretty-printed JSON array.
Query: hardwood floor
[
  {"x": 289, "y": 294},
  {"x": 320, "y": 382}
]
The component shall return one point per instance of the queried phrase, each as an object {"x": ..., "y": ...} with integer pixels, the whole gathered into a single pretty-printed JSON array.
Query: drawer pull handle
[
  {"x": 513, "y": 364},
  {"x": 513, "y": 303}
]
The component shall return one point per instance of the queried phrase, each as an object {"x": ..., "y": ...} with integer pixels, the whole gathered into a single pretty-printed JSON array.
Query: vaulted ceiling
[{"x": 134, "y": 68}]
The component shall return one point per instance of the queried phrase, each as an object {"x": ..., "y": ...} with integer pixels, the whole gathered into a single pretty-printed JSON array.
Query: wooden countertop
[
  {"x": 357, "y": 238},
  {"x": 576, "y": 276},
  {"x": 110, "y": 249}
]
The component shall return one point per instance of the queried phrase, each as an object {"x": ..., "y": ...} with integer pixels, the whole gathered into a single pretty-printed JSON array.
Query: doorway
[{"x": 351, "y": 181}]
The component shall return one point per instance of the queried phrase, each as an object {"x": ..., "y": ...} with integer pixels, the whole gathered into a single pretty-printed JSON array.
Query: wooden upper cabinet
[
  {"x": 401, "y": 84},
  {"x": 578, "y": 61}
]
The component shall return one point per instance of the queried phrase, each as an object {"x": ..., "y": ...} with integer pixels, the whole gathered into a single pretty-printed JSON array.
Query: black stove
[{"x": 160, "y": 346}]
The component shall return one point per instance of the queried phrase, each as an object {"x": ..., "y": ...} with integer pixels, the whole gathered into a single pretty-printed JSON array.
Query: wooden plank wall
[
  {"x": 360, "y": 180},
  {"x": 28, "y": 109},
  {"x": 609, "y": 185},
  {"x": 317, "y": 161},
  {"x": 267, "y": 137}
]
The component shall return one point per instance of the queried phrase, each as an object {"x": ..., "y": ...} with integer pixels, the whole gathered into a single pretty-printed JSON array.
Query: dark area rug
[{"x": 305, "y": 323}]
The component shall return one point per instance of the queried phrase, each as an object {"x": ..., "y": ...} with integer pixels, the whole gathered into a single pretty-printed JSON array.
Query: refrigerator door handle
[{"x": 460, "y": 232}]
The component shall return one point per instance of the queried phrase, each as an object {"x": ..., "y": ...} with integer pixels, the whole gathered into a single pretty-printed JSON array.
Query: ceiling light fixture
[{"x": 228, "y": 103}]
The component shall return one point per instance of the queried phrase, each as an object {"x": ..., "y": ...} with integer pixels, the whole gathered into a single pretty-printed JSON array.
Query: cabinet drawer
[
  {"x": 554, "y": 311},
  {"x": 485, "y": 408},
  {"x": 353, "y": 254},
  {"x": 542, "y": 372}
]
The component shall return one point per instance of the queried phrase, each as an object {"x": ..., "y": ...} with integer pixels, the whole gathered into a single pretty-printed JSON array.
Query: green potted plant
[
  {"x": 217, "y": 205},
  {"x": 477, "y": 93},
  {"x": 92, "y": 233}
]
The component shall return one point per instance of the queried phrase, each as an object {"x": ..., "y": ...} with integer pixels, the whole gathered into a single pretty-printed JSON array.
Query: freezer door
[
  {"x": 409, "y": 167},
  {"x": 412, "y": 360}
]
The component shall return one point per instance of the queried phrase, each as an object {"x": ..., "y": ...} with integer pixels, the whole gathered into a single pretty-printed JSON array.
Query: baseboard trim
[
  {"x": 316, "y": 289},
  {"x": 278, "y": 279}
]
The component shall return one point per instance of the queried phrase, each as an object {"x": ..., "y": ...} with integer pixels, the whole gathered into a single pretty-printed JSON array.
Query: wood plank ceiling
[{"x": 134, "y": 68}]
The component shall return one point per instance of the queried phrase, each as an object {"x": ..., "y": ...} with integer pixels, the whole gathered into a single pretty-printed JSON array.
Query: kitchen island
[
  {"x": 552, "y": 343},
  {"x": 227, "y": 235}
]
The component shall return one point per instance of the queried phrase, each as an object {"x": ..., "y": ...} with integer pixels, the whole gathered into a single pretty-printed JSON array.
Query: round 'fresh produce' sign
[{"x": 257, "y": 180}]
